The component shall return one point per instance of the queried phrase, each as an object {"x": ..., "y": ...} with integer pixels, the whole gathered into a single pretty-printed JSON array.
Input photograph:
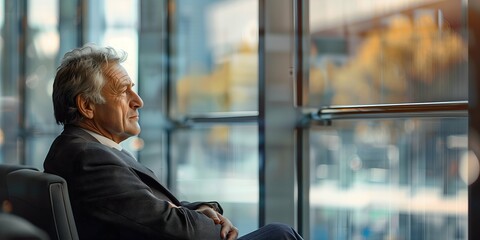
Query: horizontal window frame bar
[
  {"x": 344, "y": 112},
  {"x": 403, "y": 110},
  {"x": 217, "y": 118}
]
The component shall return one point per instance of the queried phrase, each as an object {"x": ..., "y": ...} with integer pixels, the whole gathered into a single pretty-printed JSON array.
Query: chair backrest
[
  {"x": 4, "y": 170},
  {"x": 42, "y": 199}
]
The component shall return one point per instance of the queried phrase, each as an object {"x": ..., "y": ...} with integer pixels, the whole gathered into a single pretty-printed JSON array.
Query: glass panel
[
  {"x": 121, "y": 17},
  {"x": 37, "y": 148},
  {"x": 390, "y": 179},
  {"x": 151, "y": 88},
  {"x": 43, "y": 43},
  {"x": 114, "y": 23},
  {"x": 42, "y": 49},
  {"x": 2, "y": 19},
  {"x": 373, "y": 51},
  {"x": 220, "y": 163},
  {"x": 215, "y": 59},
  {"x": 4, "y": 110}
]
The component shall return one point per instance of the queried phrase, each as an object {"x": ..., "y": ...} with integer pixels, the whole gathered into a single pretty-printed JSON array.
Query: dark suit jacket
[{"x": 115, "y": 197}]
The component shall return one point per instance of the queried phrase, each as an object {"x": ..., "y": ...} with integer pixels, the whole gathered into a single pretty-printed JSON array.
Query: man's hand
[{"x": 228, "y": 231}]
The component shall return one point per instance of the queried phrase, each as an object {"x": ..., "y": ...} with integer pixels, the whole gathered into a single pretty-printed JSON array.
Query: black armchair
[
  {"x": 4, "y": 170},
  {"x": 42, "y": 199}
]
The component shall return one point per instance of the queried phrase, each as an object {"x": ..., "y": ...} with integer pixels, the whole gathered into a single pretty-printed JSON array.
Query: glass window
[
  {"x": 220, "y": 163},
  {"x": 2, "y": 20},
  {"x": 152, "y": 59},
  {"x": 389, "y": 179},
  {"x": 215, "y": 60},
  {"x": 3, "y": 111},
  {"x": 369, "y": 52},
  {"x": 121, "y": 17},
  {"x": 43, "y": 42},
  {"x": 114, "y": 23},
  {"x": 42, "y": 49},
  {"x": 214, "y": 68}
]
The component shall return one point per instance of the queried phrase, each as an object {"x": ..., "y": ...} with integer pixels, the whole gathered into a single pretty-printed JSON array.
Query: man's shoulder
[
  {"x": 73, "y": 139},
  {"x": 72, "y": 143},
  {"x": 71, "y": 131},
  {"x": 77, "y": 148}
]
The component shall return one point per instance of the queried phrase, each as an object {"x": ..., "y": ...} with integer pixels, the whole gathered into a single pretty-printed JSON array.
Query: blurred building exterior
[{"x": 209, "y": 76}]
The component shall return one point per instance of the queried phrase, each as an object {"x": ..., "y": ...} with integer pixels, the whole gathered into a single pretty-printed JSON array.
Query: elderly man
[{"x": 113, "y": 196}]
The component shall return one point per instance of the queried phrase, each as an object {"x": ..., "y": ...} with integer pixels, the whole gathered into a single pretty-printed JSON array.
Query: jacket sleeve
[
  {"x": 195, "y": 205},
  {"x": 110, "y": 191}
]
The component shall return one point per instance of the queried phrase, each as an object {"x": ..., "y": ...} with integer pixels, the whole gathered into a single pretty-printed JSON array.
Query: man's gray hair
[{"x": 81, "y": 71}]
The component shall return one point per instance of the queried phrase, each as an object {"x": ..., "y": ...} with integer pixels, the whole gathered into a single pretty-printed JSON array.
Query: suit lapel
[
  {"x": 142, "y": 170},
  {"x": 132, "y": 162}
]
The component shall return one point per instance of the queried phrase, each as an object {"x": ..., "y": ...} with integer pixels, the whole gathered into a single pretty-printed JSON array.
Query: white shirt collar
[{"x": 105, "y": 141}]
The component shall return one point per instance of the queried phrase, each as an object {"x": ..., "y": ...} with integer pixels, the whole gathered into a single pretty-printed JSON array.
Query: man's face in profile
[{"x": 118, "y": 117}]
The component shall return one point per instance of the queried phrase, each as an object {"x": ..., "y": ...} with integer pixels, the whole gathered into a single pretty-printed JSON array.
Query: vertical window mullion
[{"x": 277, "y": 113}]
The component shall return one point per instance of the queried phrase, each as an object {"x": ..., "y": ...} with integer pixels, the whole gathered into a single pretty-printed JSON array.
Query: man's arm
[
  {"x": 110, "y": 191},
  {"x": 228, "y": 231}
]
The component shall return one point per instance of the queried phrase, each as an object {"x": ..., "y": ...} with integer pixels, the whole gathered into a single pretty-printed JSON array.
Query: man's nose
[{"x": 137, "y": 101}]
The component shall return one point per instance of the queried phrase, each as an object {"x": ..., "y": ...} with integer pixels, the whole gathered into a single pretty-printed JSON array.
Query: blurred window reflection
[
  {"x": 215, "y": 56},
  {"x": 43, "y": 43},
  {"x": 4, "y": 109},
  {"x": 366, "y": 52},
  {"x": 121, "y": 32},
  {"x": 114, "y": 23},
  {"x": 220, "y": 163},
  {"x": 214, "y": 68},
  {"x": 375, "y": 179},
  {"x": 400, "y": 179}
]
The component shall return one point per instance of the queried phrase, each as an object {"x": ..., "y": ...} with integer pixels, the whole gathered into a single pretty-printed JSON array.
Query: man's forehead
[{"x": 118, "y": 74}]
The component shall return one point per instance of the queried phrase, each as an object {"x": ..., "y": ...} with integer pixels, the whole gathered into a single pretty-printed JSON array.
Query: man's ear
[{"x": 85, "y": 107}]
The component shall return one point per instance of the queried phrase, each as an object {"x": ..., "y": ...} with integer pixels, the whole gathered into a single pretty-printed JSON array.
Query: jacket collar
[{"x": 77, "y": 131}]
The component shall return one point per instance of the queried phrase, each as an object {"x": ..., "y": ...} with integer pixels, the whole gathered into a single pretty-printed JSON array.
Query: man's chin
[{"x": 135, "y": 132}]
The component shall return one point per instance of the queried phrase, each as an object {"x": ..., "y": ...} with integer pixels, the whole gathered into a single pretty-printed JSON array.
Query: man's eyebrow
[
  {"x": 126, "y": 82},
  {"x": 129, "y": 84},
  {"x": 121, "y": 84}
]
